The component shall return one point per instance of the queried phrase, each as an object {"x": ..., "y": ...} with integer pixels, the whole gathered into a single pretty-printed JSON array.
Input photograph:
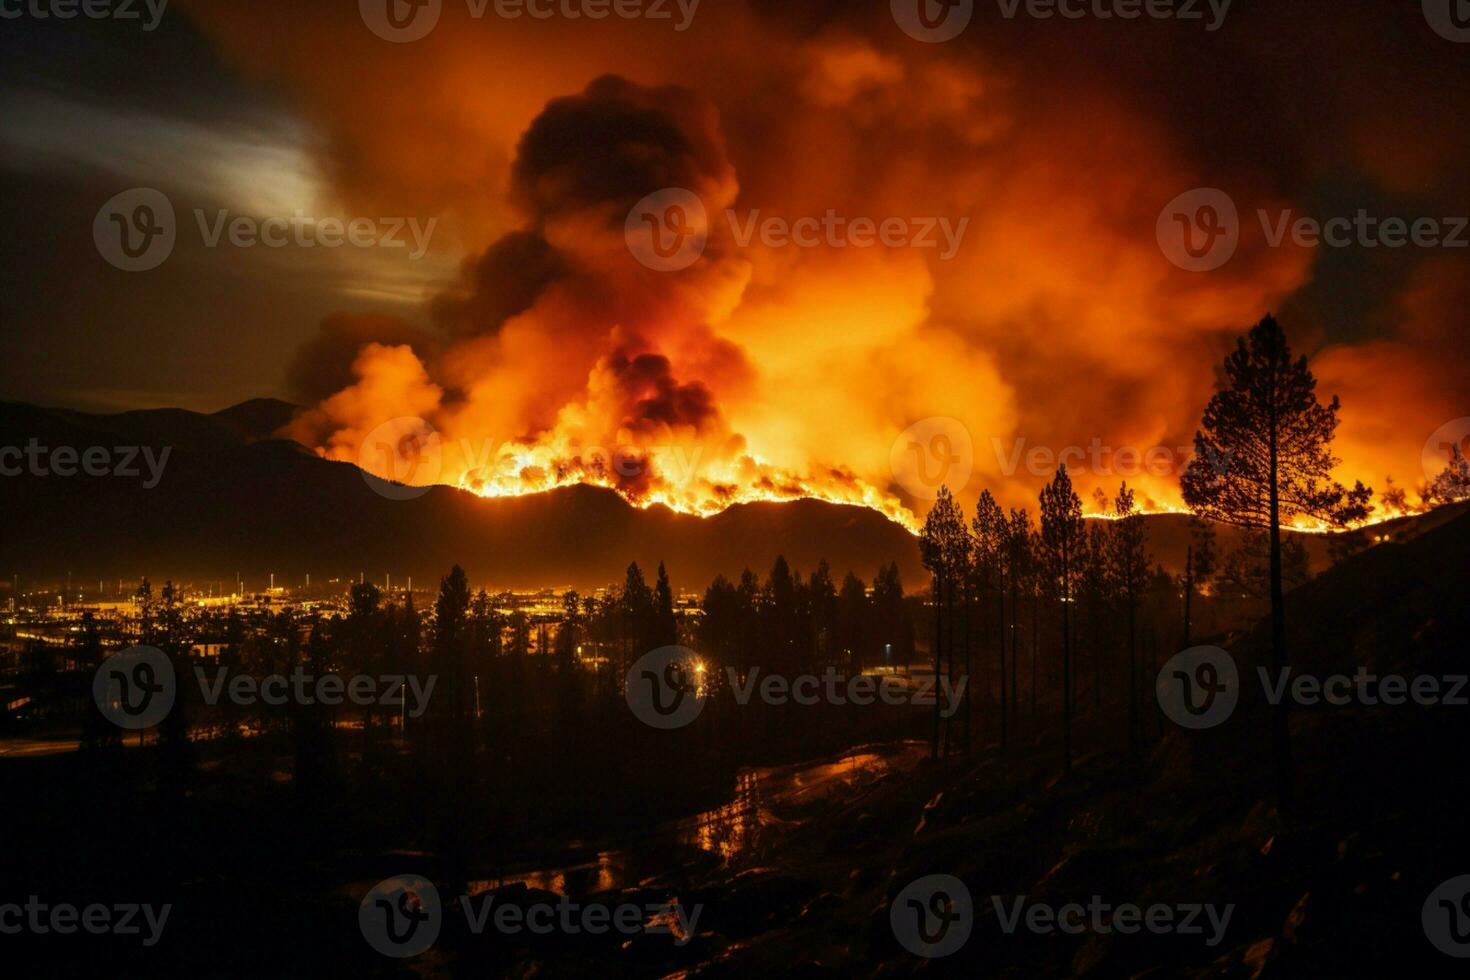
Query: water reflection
[
  {"x": 741, "y": 827},
  {"x": 608, "y": 870},
  {"x": 764, "y": 802}
]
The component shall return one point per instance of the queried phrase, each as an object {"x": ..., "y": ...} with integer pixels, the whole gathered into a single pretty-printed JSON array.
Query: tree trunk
[
  {"x": 1015, "y": 652},
  {"x": 1001, "y": 623},
  {"x": 938, "y": 632},
  {"x": 1281, "y": 723},
  {"x": 949, "y": 645},
  {"x": 1066, "y": 666},
  {"x": 1035, "y": 645},
  {"x": 1097, "y": 649},
  {"x": 1188, "y": 591},
  {"x": 968, "y": 630},
  {"x": 1133, "y": 675}
]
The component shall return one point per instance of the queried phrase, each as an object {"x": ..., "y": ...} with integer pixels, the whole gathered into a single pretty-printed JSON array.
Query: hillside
[{"x": 225, "y": 505}]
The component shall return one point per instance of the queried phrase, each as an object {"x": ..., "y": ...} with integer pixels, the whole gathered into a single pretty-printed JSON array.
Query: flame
[{"x": 528, "y": 469}]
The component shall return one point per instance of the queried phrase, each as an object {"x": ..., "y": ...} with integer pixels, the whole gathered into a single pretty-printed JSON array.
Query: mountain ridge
[{"x": 235, "y": 498}]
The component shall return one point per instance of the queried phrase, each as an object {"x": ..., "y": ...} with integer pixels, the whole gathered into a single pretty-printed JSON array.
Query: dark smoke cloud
[
  {"x": 503, "y": 282},
  {"x": 610, "y": 145}
]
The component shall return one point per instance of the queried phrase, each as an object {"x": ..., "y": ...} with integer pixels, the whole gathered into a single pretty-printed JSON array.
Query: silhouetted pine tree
[
  {"x": 1062, "y": 534},
  {"x": 938, "y": 547},
  {"x": 1262, "y": 458},
  {"x": 991, "y": 560},
  {"x": 453, "y": 711},
  {"x": 665, "y": 627},
  {"x": 1128, "y": 560}
]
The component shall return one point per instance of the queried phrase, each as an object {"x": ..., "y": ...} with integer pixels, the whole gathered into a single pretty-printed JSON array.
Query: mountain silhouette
[{"x": 231, "y": 500}]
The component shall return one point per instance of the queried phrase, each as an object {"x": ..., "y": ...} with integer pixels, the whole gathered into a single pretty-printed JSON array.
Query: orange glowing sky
[{"x": 766, "y": 370}]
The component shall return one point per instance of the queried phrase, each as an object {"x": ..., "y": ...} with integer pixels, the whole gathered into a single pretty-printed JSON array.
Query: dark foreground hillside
[{"x": 1336, "y": 888}]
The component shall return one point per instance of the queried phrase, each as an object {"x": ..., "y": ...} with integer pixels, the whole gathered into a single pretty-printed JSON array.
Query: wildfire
[{"x": 716, "y": 485}]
